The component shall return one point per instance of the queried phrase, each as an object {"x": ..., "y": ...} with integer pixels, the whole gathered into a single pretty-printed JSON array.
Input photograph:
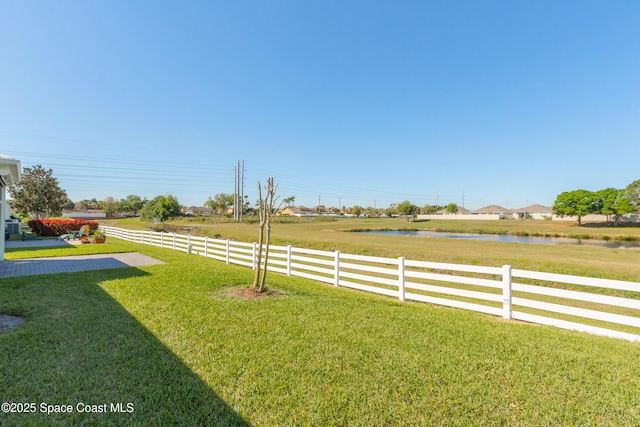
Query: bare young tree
[{"x": 267, "y": 209}]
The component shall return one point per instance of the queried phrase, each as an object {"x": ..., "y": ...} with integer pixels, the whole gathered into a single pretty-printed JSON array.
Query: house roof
[
  {"x": 298, "y": 210},
  {"x": 9, "y": 170},
  {"x": 534, "y": 209},
  {"x": 461, "y": 210},
  {"x": 494, "y": 209},
  {"x": 301, "y": 209}
]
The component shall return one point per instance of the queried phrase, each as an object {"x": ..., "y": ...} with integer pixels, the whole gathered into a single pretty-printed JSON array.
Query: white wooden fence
[{"x": 546, "y": 298}]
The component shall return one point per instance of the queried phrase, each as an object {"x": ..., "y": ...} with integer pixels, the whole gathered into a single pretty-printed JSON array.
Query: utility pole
[
  {"x": 238, "y": 191},
  {"x": 242, "y": 194}
]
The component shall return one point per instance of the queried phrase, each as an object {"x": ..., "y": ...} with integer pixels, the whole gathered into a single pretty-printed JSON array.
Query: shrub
[
  {"x": 58, "y": 227},
  {"x": 165, "y": 228}
]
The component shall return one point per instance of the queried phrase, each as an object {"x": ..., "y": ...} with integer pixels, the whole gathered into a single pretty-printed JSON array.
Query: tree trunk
[
  {"x": 266, "y": 255},
  {"x": 266, "y": 205},
  {"x": 256, "y": 278}
]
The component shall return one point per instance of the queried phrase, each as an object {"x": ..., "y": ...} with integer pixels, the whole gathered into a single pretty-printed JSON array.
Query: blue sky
[{"x": 346, "y": 102}]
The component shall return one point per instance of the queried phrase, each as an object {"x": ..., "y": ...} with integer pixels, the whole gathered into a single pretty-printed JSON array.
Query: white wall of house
[
  {"x": 9, "y": 175},
  {"x": 7, "y": 209},
  {"x": 532, "y": 215}
]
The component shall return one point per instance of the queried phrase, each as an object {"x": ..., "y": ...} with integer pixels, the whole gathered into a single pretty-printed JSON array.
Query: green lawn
[
  {"x": 174, "y": 342},
  {"x": 330, "y": 234}
]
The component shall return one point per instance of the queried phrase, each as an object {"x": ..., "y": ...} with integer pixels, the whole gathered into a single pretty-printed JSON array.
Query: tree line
[
  {"x": 38, "y": 195},
  {"x": 611, "y": 202}
]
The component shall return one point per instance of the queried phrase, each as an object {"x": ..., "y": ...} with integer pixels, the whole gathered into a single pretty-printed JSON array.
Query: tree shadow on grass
[
  {"x": 421, "y": 220},
  {"x": 80, "y": 347},
  {"x": 611, "y": 225},
  {"x": 37, "y": 249}
]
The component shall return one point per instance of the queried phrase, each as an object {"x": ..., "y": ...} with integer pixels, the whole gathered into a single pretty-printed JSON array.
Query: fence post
[
  {"x": 401, "y": 278},
  {"x": 188, "y": 243},
  {"x": 174, "y": 241},
  {"x": 336, "y": 269},
  {"x": 162, "y": 239},
  {"x": 506, "y": 291},
  {"x": 255, "y": 255},
  {"x": 289, "y": 260},
  {"x": 206, "y": 247},
  {"x": 228, "y": 251}
]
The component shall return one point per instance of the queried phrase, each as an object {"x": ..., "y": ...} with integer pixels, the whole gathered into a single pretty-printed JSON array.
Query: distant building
[
  {"x": 461, "y": 211},
  {"x": 196, "y": 210},
  {"x": 533, "y": 212},
  {"x": 493, "y": 210},
  {"x": 298, "y": 211}
]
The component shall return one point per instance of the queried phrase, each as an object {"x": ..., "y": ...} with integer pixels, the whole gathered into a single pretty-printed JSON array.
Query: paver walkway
[{"x": 69, "y": 264}]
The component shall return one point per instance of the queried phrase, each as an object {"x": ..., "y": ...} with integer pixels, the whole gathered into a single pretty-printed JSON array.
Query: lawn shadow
[
  {"x": 37, "y": 245},
  {"x": 79, "y": 347}
]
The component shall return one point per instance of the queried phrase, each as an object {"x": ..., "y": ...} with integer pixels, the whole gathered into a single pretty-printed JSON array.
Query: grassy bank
[{"x": 175, "y": 342}]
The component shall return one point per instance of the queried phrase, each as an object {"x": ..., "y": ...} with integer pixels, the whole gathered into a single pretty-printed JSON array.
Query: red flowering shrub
[{"x": 58, "y": 227}]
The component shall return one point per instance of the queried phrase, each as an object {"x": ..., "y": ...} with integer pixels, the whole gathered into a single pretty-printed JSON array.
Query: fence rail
[{"x": 525, "y": 295}]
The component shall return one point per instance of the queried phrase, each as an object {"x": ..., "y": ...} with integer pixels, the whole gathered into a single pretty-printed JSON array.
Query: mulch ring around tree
[
  {"x": 9, "y": 322},
  {"x": 243, "y": 292}
]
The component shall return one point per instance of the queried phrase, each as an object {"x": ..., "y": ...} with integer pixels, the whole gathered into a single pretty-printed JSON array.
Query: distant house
[
  {"x": 196, "y": 210},
  {"x": 494, "y": 210},
  {"x": 533, "y": 212},
  {"x": 461, "y": 211},
  {"x": 298, "y": 211},
  {"x": 321, "y": 210}
]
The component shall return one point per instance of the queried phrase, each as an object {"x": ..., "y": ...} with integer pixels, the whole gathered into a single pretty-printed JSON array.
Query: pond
[{"x": 508, "y": 238}]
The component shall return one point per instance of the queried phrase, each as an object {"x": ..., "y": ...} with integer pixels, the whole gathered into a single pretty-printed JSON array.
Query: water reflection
[{"x": 507, "y": 238}]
